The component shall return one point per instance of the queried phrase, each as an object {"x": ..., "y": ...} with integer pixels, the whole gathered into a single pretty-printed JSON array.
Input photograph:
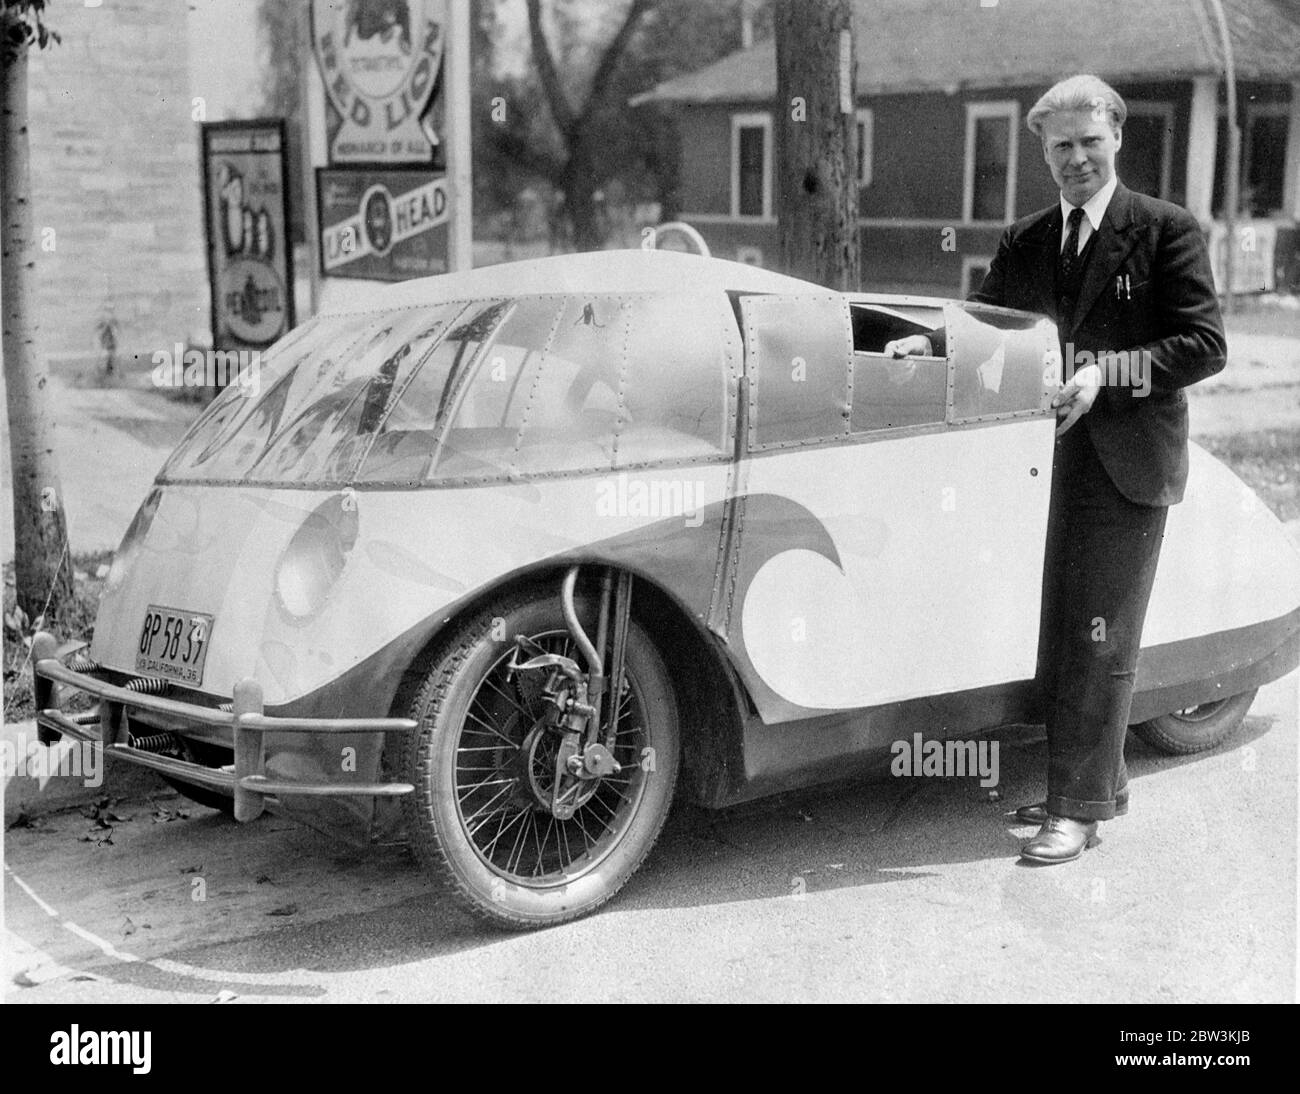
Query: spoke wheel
[
  {"x": 1198, "y": 728},
  {"x": 484, "y": 767}
]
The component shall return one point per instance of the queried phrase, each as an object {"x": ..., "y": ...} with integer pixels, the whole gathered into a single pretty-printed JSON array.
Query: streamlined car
[{"x": 515, "y": 556}]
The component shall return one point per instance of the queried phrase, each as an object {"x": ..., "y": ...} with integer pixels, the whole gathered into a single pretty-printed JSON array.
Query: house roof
[{"x": 951, "y": 45}]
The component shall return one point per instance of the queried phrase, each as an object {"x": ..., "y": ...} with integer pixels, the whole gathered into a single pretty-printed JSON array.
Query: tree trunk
[
  {"x": 816, "y": 142},
  {"x": 579, "y": 184},
  {"x": 40, "y": 532}
]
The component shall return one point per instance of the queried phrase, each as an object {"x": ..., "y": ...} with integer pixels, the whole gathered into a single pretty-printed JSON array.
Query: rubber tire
[
  {"x": 1182, "y": 737},
  {"x": 432, "y": 817}
]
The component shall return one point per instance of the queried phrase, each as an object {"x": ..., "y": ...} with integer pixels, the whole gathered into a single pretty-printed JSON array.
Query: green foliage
[
  {"x": 75, "y": 621},
  {"x": 22, "y": 23}
]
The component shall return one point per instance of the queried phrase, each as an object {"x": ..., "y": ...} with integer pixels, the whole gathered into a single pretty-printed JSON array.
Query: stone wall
[{"x": 115, "y": 172}]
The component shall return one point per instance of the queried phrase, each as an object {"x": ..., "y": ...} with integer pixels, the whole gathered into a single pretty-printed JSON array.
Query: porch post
[
  {"x": 1291, "y": 187},
  {"x": 1202, "y": 136}
]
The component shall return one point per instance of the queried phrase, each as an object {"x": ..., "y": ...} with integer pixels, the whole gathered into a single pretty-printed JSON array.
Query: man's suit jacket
[{"x": 1167, "y": 307}]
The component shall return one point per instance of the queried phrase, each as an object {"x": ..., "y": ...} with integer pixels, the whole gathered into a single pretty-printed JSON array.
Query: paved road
[{"x": 900, "y": 890}]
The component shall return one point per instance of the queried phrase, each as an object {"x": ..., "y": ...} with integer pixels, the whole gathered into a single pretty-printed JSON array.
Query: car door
[{"x": 890, "y": 515}]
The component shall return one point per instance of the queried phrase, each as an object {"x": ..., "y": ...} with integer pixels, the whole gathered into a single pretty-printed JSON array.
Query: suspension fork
[
  {"x": 593, "y": 654},
  {"x": 618, "y": 655}
]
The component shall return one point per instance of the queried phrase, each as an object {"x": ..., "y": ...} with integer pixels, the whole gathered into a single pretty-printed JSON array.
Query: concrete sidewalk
[{"x": 110, "y": 442}]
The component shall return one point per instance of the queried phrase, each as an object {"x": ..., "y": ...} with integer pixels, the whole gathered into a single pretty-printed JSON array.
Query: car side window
[
  {"x": 484, "y": 409},
  {"x": 481, "y": 391},
  {"x": 680, "y": 386},
  {"x": 594, "y": 382},
  {"x": 555, "y": 404},
  {"x": 1005, "y": 364},
  {"x": 403, "y": 446},
  {"x": 349, "y": 400},
  {"x": 798, "y": 353},
  {"x": 234, "y": 432},
  {"x": 892, "y": 393}
]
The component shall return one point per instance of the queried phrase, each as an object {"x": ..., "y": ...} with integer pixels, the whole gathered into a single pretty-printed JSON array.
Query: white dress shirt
[{"x": 1093, "y": 210}]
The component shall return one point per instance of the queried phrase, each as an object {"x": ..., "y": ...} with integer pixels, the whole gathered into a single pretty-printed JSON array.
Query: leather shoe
[
  {"x": 1061, "y": 839},
  {"x": 1037, "y": 813}
]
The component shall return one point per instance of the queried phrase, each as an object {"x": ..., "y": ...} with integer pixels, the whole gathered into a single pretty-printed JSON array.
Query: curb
[{"x": 41, "y": 792}]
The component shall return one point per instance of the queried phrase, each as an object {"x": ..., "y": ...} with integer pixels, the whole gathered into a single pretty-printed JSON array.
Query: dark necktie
[{"x": 1070, "y": 255}]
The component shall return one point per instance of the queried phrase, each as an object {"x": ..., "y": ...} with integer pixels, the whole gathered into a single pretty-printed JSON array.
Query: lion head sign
[{"x": 380, "y": 60}]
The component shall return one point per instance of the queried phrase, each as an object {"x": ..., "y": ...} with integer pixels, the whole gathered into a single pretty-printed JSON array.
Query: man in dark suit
[{"x": 1127, "y": 280}]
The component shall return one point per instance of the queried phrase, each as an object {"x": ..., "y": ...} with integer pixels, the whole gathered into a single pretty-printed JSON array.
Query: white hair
[{"x": 1078, "y": 93}]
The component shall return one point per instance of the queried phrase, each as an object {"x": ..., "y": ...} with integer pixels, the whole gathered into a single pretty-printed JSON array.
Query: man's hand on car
[
  {"x": 914, "y": 345},
  {"x": 1074, "y": 400}
]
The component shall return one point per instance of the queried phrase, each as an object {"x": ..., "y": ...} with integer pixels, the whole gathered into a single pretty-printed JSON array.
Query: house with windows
[{"x": 945, "y": 161}]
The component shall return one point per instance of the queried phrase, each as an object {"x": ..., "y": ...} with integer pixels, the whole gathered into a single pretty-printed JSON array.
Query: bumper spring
[
  {"x": 146, "y": 685},
  {"x": 84, "y": 664},
  {"x": 155, "y": 742}
]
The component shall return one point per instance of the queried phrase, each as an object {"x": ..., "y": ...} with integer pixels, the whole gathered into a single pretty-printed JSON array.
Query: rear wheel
[
  {"x": 483, "y": 764},
  {"x": 1198, "y": 728}
]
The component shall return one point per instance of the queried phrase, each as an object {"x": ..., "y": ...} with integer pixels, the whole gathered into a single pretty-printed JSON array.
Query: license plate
[{"x": 174, "y": 644}]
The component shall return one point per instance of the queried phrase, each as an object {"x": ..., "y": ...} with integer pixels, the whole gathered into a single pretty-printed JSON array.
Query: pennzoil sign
[
  {"x": 388, "y": 225},
  {"x": 380, "y": 60},
  {"x": 246, "y": 217}
]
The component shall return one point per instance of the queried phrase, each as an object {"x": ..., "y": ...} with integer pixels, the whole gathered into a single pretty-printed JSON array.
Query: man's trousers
[{"x": 1100, "y": 565}]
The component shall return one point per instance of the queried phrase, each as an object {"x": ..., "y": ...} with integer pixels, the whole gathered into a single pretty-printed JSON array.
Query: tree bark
[
  {"x": 578, "y": 181},
  {"x": 40, "y": 530},
  {"x": 816, "y": 143}
]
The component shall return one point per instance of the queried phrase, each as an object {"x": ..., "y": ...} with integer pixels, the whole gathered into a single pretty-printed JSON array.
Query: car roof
[{"x": 626, "y": 271}]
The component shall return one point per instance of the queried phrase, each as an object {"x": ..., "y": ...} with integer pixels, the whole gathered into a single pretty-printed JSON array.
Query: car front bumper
[{"x": 242, "y": 723}]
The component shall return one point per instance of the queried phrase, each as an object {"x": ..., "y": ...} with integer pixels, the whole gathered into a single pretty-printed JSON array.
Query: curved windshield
[{"x": 479, "y": 390}]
